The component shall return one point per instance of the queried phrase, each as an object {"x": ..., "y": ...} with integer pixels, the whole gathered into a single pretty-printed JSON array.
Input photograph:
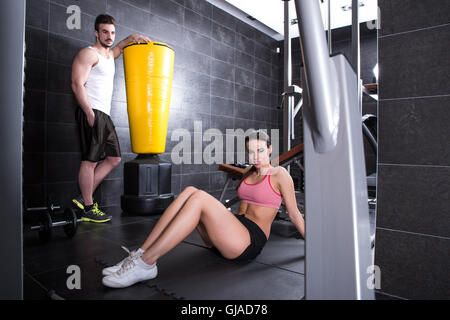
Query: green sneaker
[
  {"x": 78, "y": 202},
  {"x": 95, "y": 215}
]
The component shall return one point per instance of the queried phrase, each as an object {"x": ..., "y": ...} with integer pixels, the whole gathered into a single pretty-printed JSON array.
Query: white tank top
[{"x": 99, "y": 86}]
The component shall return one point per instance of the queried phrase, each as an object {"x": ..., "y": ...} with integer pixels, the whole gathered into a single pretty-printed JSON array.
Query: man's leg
[
  {"x": 86, "y": 181},
  {"x": 92, "y": 174},
  {"x": 103, "y": 169},
  {"x": 99, "y": 140}
]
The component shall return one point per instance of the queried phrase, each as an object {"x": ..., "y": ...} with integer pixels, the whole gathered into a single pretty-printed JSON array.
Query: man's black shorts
[{"x": 100, "y": 140}]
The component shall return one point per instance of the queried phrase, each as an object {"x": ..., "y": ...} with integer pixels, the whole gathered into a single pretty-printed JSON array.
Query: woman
[{"x": 240, "y": 237}]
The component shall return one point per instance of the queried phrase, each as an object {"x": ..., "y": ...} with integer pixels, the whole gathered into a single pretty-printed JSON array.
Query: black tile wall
[
  {"x": 62, "y": 138},
  {"x": 62, "y": 167},
  {"x": 417, "y": 61},
  {"x": 413, "y": 266},
  {"x": 61, "y": 108},
  {"x": 197, "y": 22},
  {"x": 37, "y": 46},
  {"x": 169, "y": 10},
  {"x": 222, "y": 52},
  {"x": 198, "y": 43},
  {"x": 33, "y": 168},
  {"x": 202, "y": 7},
  {"x": 402, "y": 16},
  {"x": 57, "y": 23},
  {"x": 59, "y": 78},
  {"x": 34, "y": 137},
  {"x": 37, "y": 14},
  {"x": 226, "y": 76},
  {"x": 141, "y": 4},
  {"x": 413, "y": 229},
  {"x": 35, "y": 74},
  {"x": 414, "y": 199},
  {"x": 415, "y": 131},
  {"x": 91, "y": 7},
  {"x": 34, "y": 102}
]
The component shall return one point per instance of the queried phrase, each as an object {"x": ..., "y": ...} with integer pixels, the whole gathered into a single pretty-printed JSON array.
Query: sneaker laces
[
  {"x": 128, "y": 264},
  {"x": 126, "y": 250},
  {"x": 131, "y": 254},
  {"x": 97, "y": 211}
]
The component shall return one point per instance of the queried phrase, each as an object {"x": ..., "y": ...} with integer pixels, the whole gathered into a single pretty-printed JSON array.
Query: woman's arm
[
  {"x": 242, "y": 208},
  {"x": 286, "y": 187}
]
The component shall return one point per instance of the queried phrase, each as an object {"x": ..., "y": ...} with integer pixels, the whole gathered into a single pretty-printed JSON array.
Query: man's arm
[
  {"x": 81, "y": 66},
  {"x": 118, "y": 49}
]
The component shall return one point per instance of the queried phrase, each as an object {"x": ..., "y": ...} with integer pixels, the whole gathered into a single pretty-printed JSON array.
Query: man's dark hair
[{"x": 103, "y": 18}]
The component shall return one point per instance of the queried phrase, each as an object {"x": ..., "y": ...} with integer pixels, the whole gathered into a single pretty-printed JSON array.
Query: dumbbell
[{"x": 70, "y": 222}]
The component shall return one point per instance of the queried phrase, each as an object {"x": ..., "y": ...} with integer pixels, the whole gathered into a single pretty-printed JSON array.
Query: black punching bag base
[
  {"x": 145, "y": 205},
  {"x": 147, "y": 185}
]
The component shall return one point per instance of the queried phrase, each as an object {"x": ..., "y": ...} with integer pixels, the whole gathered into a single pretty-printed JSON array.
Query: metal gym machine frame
[{"x": 337, "y": 245}]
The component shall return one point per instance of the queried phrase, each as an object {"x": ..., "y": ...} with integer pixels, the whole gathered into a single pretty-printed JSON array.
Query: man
[{"x": 92, "y": 83}]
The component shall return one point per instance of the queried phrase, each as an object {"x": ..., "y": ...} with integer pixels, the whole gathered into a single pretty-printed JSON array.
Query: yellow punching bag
[{"x": 148, "y": 76}]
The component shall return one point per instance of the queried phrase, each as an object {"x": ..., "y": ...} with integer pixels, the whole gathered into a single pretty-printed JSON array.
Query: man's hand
[
  {"x": 91, "y": 118},
  {"x": 137, "y": 38},
  {"x": 117, "y": 50}
]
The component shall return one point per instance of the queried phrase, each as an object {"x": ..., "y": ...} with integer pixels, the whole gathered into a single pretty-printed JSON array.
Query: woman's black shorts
[
  {"x": 257, "y": 240},
  {"x": 100, "y": 140}
]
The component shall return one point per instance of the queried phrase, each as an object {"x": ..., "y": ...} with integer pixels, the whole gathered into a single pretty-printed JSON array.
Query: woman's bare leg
[
  {"x": 168, "y": 215},
  {"x": 226, "y": 233},
  {"x": 202, "y": 230}
]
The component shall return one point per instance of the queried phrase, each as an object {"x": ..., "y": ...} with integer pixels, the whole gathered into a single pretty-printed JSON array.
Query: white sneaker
[
  {"x": 131, "y": 255},
  {"x": 130, "y": 273}
]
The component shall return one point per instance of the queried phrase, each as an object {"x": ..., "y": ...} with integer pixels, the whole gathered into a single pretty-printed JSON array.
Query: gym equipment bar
[
  {"x": 289, "y": 99},
  {"x": 338, "y": 248}
]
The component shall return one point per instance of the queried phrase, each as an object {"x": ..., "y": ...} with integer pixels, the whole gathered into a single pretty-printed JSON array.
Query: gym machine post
[{"x": 337, "y": 244}]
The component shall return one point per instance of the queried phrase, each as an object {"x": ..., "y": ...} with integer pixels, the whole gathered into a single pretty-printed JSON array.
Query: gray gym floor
[{"x": 189, "y": 271}]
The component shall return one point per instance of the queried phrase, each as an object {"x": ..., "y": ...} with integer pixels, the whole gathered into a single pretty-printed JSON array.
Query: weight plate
[
  {"x": 45, "y": 220},
  {"x": 70, "y": 229}
]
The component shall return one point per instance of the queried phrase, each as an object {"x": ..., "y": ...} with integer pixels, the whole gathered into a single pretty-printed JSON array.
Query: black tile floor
[{"x": 190, "y": 271}]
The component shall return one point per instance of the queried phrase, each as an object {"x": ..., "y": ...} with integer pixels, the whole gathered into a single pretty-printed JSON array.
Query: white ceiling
[{"x": 270, "y": 14}]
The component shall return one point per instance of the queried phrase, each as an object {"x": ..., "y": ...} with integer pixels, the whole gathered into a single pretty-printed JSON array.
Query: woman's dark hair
[
  {"x": 255, "y": 135},
  {"x": 258, "y": 135},
  {"x": 104, "y": 18}
]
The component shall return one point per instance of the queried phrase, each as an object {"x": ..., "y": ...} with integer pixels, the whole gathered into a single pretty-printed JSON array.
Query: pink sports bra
[{"x": 260, "y": 194}]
